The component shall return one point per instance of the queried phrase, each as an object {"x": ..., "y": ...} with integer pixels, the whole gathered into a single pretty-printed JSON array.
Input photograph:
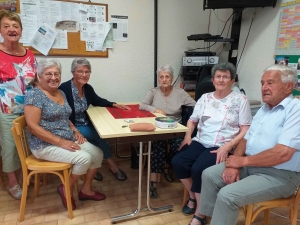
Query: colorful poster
[
  {"x": 288, "y": 37},
  {"x": 8, "y": 5},
  {"x": 294, "y": 62}
]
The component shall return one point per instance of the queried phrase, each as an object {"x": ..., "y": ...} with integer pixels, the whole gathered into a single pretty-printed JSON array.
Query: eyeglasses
[
  {"x": 50, "y": 75},
  {"x": 81, "y": 72},
  {"x": 219, "y": 77}
]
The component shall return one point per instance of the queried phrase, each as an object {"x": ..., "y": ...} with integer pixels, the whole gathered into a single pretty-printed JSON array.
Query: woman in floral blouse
[{"x": 223, "y": 118}]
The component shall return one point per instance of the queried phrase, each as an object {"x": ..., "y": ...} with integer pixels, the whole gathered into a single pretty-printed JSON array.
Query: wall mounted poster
[{"x": 288, "y": 36}]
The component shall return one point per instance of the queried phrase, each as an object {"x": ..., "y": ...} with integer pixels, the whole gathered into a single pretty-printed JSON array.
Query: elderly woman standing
[
  {"x": 166, "y": 100},
  {"x": 80, "y": 95},
  {"x": 53, "y": 137},
  {"x": 223, "y": 118},
  {"x": 17, "y": 69}
]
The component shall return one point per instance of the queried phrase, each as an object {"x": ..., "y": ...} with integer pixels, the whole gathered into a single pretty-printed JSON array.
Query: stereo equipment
[{"x": 199, "y": 61}]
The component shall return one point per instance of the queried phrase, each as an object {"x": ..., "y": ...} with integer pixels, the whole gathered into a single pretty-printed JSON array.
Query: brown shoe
[
  {"x": 96, "y": 197},
  {"x": 60, "y": 190}
]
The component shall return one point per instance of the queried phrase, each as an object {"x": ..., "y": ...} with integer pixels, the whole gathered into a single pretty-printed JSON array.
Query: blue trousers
[
  {"x": 90, "y": 133},
  {"x": 191, "y": 161}
]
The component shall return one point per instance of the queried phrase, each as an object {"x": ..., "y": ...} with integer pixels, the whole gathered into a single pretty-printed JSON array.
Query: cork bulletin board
[{"x": 76, "y": 47}]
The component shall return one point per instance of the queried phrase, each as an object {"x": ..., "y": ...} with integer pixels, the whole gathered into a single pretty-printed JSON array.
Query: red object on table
[{"x": 134, "y": 112}]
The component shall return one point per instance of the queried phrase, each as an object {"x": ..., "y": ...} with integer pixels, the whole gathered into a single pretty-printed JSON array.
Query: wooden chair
[
  {"x": 185, "y": 196},
  {"x": 291, "y": 203},
  {"x": 1, "y": 172},
  {"x": 33, "y": 166}
]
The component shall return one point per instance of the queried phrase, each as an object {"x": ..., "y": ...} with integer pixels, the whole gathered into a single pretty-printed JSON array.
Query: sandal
[
  {"x": 15, "y": 192},
  {"x": 187, "y": 210},
  {"x": 153, "y": 190},
  {"x": 202, "y": 221}
]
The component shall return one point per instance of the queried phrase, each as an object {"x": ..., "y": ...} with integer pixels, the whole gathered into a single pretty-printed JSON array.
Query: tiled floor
[{"x": 121, "y": 198}]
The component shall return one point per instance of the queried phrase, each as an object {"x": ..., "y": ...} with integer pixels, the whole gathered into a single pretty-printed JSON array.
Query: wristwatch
[{"x": 75, "y": 130}]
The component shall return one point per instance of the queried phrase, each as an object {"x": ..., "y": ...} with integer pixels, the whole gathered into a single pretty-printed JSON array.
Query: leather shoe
[
  {"x": 120, "y": 175},
  {"x": 98, "y": 177},
  {"x": 96, "y": 197},
  {"x": 187, "y": 210},
  {"x": 60, "y": 190}
]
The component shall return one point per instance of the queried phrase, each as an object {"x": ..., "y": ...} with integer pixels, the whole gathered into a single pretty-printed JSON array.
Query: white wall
[
  {"x": 179, "y": 19},
  {"x": 259, "y": 49},
  {"x": 128, "y": 72}
]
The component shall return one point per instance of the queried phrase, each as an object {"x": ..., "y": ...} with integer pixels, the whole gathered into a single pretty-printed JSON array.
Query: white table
[{"x": 117, "y": 131}]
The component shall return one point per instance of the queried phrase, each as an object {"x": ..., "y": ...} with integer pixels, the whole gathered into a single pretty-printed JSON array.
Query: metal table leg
[{"x": 136, "y": 211}]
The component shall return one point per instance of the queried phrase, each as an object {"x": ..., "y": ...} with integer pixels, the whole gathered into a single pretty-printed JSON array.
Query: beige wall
[
  {"x": 127, "y": 74},
  {"x": 260, "y": 47}
]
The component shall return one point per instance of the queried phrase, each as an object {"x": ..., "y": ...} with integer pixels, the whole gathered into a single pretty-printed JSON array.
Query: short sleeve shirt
[
  {"x": 16, "y": 72},
  {"x": 279, "y": 125},
  {"x": 54, "y": 117},
  {"x": 219, "y": 120}
]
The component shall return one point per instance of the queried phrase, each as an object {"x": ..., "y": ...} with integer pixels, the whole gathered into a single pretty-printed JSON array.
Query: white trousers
[{"x": 89, "y": 157}]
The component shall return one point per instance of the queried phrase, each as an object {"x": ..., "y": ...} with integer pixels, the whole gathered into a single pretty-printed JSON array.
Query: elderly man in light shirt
[{"x": 266, "y": 163}]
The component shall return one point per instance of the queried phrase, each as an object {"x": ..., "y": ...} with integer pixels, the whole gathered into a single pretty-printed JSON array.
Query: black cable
[
  {"x": 246, "y": 38},
  {"x": 209, "y": 21},
  {"x": 214, "y": 42},
  {"x": 226, "y": 36},
  {"x": 177, "y": 76}
]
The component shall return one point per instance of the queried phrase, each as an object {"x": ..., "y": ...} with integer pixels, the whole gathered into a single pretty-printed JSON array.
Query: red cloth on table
[{"x": 134, "y": 112}]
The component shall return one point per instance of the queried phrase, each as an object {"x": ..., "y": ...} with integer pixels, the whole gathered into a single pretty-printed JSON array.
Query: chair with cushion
[
  {"x": 291, "y": 203},
  {"x": 33, "y": 166}
]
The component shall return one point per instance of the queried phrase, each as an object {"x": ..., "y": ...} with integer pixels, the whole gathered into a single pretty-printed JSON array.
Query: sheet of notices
[
  {"x": 92, "y": 31},
  {"x": 94, "y": 46},
  {"x": 29, "y": 7},
  {"x": 29, "y": 24},
  {"x": 43, "y": 39},
  {"x": 44, "y": 12},
  {"x": 120, "y": 27},
  {"x": 109, "y": 42},
  {"x": 92, "y": 14},
  {"x": 68, "y": 25},
  {"x": 97, "y": 45},
  {"x": 55, "y": 12},
  {"x": 61, "y": 40}
]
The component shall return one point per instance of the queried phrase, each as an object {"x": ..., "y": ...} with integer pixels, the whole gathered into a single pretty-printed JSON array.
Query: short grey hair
[
  {"x": 80, "y": 62},
  {"x": 288, "y": 74},
  {"x": 224, "y": 66},
  {"x": 165, "y": 68},
  {"x": 46, "y": 63}
]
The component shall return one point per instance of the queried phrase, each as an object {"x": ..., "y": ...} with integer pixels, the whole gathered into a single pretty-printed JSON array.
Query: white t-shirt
[{"x": 220, "y": 119}]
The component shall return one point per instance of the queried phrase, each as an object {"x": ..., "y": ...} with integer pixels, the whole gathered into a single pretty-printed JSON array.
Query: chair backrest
[
  {"x": 19, "y": 133},
  {"x": 204, "y": 83},
  {"x": 186, "y": 113}
]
